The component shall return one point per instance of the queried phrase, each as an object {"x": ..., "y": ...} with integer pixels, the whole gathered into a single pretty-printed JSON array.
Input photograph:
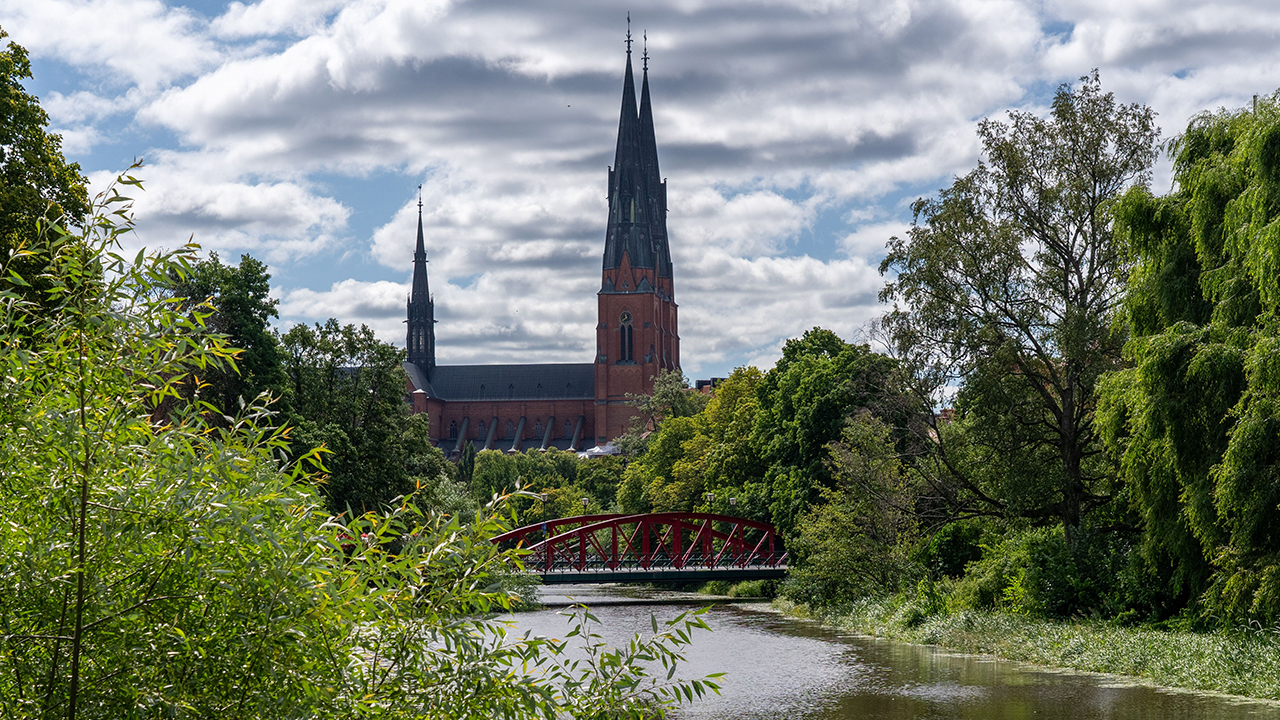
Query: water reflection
[{"x": 779, "y": 667}]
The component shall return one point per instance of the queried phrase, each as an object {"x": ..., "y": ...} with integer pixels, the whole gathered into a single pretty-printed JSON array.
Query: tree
[
  {"x": 1196, "y": 419},
  {"x": 671, "y": 398},
  {"x": 242, "y": 310},
  {"x": 1010, "y": 281},
  {"x": 35, "y": 180},
  {"x": 344, "y": 389},
  {"x": 818, "y": 384},
  {"x": 857, "y": 542}
]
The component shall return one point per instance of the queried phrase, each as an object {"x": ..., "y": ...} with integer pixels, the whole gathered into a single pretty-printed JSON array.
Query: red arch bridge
[{"x": 655, "y": 547}]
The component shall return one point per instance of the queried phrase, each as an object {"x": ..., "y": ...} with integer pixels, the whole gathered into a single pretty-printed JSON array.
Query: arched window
[
  {"x": 568, "y": 430},
  {"x": 453, "y": 429},
  {"x": 480, "y": 430},
  {"x": 625, "y": 335},
  {"x": 537, "y": 428},
  {"x": 511, "y": 429}
]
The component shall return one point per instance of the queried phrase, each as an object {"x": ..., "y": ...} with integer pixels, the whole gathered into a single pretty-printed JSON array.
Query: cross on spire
[
  {"x": 645, "y": 56},
  {"x": 628, "y": 32},
  {"x": 419, "y": 199}
]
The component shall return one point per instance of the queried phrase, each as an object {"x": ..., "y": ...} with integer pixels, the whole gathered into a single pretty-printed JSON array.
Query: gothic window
[
  {"x": 453, "y": 429},
  {"x": 537, "y": 428},
  {"x": 625, "y": 335},
  {"x": 511, "y": 429},
  {"x": 568, "y": 430},
  {"x": 480, "y": 430}
]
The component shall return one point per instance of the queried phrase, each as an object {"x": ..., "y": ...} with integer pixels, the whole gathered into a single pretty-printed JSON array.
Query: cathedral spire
[
  {"x": 420, "y": 341},
  {"x": 654, "y": 186},
  {"x": 629, "y": 204}
]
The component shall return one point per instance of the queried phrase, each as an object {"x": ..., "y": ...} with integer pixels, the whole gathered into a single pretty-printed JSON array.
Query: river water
[{"x": 781, "y": 667}]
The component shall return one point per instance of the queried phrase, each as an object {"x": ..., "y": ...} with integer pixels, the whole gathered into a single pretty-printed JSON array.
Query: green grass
[
  {"x": 740, "y": 589},
  {"x": 1243, "y": 662}
]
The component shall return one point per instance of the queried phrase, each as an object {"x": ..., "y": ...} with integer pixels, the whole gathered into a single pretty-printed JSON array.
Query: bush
[{"x": 1035, "y": 572}]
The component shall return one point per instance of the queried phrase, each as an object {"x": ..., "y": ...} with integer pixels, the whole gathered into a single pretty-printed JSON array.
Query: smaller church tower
[{"x": 421, "y": 338}]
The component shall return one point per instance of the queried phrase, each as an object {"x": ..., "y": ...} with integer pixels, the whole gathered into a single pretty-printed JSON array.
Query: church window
[
  {"x": 568, "y": 430},
  {"x": 511, "y": 429},
  {"x": 625, "y": 335},
  {"x": 453, "y": 429},
  {"x": 537, "y": 428},
  {"x": 480, "y": 430}
]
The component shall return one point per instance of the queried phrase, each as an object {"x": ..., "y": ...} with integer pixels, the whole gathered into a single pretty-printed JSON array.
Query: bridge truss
[{"x": 653, "y": 546}]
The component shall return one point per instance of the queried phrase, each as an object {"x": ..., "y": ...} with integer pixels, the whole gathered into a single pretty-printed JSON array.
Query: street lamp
[
  {"x": 585, "y": 503},
  {"x": 711, "y": 498},
  {"x": 733, "y": 501},
  {"x": 542, "y": 497}
]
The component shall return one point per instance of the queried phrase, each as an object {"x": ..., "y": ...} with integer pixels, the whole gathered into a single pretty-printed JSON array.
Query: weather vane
[{"x": 628, "y": 32}]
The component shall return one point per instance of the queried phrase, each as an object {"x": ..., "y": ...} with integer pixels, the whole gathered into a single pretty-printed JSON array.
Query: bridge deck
[{"x": 639, "y": 575}]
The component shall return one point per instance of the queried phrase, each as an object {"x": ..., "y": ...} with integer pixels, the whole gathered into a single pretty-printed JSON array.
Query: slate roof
[{"x": 553, "y": 381}]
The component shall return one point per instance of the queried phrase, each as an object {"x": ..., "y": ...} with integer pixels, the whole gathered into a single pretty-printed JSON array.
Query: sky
[{"x": 794, "y": 137}]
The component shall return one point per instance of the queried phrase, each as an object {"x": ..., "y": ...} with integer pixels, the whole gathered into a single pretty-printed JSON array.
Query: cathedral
[{"x": 569, "y": 406}]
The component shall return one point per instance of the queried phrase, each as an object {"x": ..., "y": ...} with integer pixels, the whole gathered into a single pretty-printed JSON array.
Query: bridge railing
[{"x": 653, "y": 541}]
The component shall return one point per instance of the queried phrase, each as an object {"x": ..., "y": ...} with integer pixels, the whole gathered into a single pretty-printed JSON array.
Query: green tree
[
  {"x": 818, "y": 384},
  {"x": 344, "y": 389},
  {"x": 242, "y": 310},
  {"x": 671, "y": 398},
  {"x": 858, "y": 541},
  {"x": 1196, "y": 417},
  {"x": 1010, "y": 282},
  {"x": 35, "y": 180}
]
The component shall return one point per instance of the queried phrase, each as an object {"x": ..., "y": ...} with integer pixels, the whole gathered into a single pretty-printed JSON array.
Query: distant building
[{"x": 568, "y": 405}]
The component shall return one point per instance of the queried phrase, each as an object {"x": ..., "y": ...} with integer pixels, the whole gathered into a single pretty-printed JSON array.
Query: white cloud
[
  {"x": 770, "y": 116},
  {"x": 141, "y": 42}
]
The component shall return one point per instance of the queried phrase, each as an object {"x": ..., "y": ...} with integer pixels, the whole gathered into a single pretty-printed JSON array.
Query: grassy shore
[{"x": 1244, "y": 662}]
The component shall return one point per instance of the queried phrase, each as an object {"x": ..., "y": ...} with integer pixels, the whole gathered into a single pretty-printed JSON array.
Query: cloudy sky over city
[{"x": 794, "y": 136}]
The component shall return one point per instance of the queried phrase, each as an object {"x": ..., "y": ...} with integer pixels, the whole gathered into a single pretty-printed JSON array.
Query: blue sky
[{"x": 794, "y": 136}]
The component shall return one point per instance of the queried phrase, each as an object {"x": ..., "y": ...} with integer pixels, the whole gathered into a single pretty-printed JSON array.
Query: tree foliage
[
  {"x": 1197, "y": 416},
  {"x": 820, "y": 383},
  {"x": 1010, "y": 281},
  {"x": 344, "y": 389},
  {"x": 239, "y": 298},
  {"x": 858, "y": 541},
  {"x": 35, "y": 180}
]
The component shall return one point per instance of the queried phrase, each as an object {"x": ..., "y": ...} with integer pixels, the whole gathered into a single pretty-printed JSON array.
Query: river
[{"x": 781, "y": 667}]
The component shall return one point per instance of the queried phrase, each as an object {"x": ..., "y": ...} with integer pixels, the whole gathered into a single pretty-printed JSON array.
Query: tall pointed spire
[
  {"x": 420, "y": 285},
  {"x": 421, "y": 338},
  {"x": 629, "y": 204},
  {"x": 655, "y": 187}
]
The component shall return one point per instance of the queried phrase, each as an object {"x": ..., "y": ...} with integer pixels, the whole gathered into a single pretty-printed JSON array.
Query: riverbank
[{"x": 1245, "y": 663}]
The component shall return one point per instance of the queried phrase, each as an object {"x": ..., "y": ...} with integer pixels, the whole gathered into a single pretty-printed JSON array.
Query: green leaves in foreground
[{"x": 153, "y": 565}]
